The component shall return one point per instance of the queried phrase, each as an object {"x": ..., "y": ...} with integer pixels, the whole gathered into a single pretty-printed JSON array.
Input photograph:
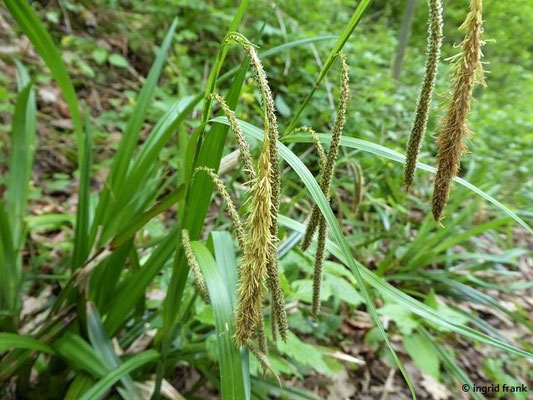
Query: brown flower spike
[{"x": 453, "y": 127}]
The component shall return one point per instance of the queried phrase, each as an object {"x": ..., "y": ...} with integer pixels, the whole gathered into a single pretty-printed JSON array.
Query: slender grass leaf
[
  {"x": 23, "y": 130},
  {"x": 81, "y": 232},
  {"x": 132, "y": 290},
  {"x": 103, "y": 346},
  {"x": 382, "y": 151},
  {"x": 231, "y": 374},
  {"x": 10, "y": 341},
  {"x": 80, "y": 354},
  {"x": 113, "y": 194},
  {"x": 450, "y": 364},
  {"x": 223, "y": 248},
  {"x": 80, "y": 385},
  {"x": 43, "y": 43},
  {"x": 98, "y": 390},
  {"x": 341, "y": 41}
]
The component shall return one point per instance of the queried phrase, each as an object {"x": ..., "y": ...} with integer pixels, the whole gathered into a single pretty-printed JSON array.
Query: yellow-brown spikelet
[
  {"x": 327, "y": 171},
  {"x": 257, "y": 247},
  {"x": 241, "y": 141},
  {"x": 199, "y": 280},
  {"x": 418, "y": 129},
  {"x": 279, "y": 319},
  {"x": 232, "y": 210},
  {"x": 453, "y": 127}
]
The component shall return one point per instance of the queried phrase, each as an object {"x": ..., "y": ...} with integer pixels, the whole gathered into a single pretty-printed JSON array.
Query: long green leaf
[
  {"x": 385, "y": 152},
  {"x": 112, "y": 197},
  {"x": 23, "y": 130},
  {"x": 81, "y": 231},
  {"x": 80, "y": 354},
  {"x": 12, "y": 218},
  {"x": 128, "y": 143},
  {"x": 451, "y": 364},
  {"x": 341, "y": 41},
  {"x": 98, "y": 390},
  {"x": 43, "y": 43},
  {"x": 11, "y": 341},
  {"x": 132, "y": 290},
  {"x": 231, "y": 374},
  {"x": 103, "y": 346},
  {"x": 8, "y": 270}
]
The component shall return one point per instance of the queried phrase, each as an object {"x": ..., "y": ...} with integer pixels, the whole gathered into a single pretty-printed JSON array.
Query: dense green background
[{"x": 109, "y": 47}]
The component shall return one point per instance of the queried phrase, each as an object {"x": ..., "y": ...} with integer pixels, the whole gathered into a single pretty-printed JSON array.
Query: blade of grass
[
  {"x": 133, "y": 288},
  {"x": 43, "y": 43},
  {"x": 382, "y": 151},
  {"x": 112, "y": 194},
  {"x": 22, "y": 148},
  {"x": 451, "y": 365},
  {"x": 81, "y": 232},
  {"x": 80, "y": 385},
  {"x": 341, "y": 41},
  {"x": 98, "y": 390},
  {"x": 11, "y": 341},
  {"x": 80, "y": 354},
  {"x": 128, "y": 143},
  {"x": 221, "y": 244},
  {"x": 12, "y": 218},
  {"x": 231, "y": 373},
  {"x": 140, "y": 220}
]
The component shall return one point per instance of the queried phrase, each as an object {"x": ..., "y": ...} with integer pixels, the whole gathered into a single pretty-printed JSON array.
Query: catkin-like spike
[
  {"x": 232, "y": 210},
  {"x": 327, "y": 172},
  {"x": 316, "y": 142},
  {"x": 198, "y": 277},
  {"x": 311, "y": 228},
  {"x": 271, "y": 131},
  {"x": 257, "y": 248},
  {"x": 453, "y": 127},
  {"x": 319, "y": 264},
  {"x": 418, "y": 129},
  {"x": 241, "y": 141}
]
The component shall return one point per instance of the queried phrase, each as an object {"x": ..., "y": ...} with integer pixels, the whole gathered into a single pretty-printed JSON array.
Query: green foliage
[{"x": 95, "y": 290}]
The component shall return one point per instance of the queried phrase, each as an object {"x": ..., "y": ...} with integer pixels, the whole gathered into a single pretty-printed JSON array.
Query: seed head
[
  {"x": 453, "y": 127},
  {"x": 329, "y": 165},
  {"x": 257, "y": 247},
  {"x": 199, "y": 280},
  {"x": 319, "y": 264},
  {"x": 418, "y": 129},
  {"x": 241, "y": 141}
]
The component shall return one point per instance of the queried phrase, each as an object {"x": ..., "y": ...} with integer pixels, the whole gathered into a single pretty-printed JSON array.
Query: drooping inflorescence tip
[
  {"x": 418, "y": 129},
  {"x": 453, "y": 127}
]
